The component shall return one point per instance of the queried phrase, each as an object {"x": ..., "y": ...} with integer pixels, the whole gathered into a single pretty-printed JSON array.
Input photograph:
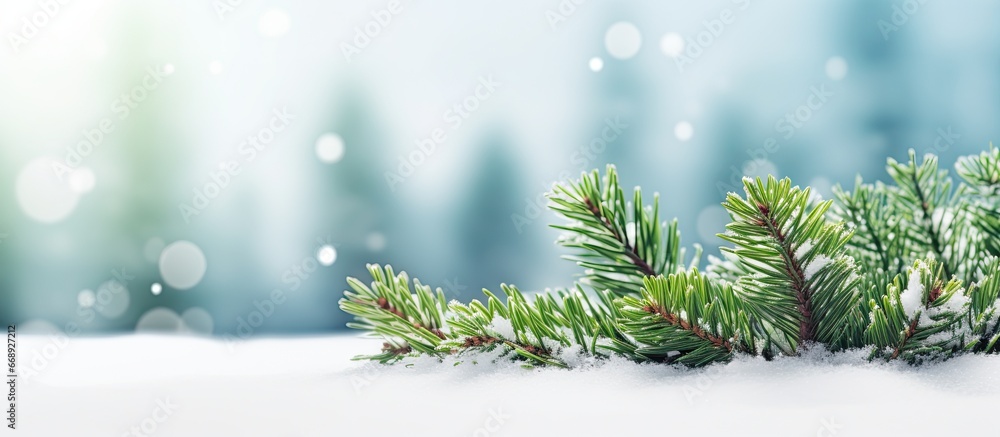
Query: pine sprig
[
  {"x": 801, "y": 284},
  {"x": 877, "y": 241},
  {"x": 538, "y": 331},
  {"x": 618, "y": 242},
  {"x": 982, "y": 173},
  {"x": 686, "y": 318},
  {"x": 920, "y": 316},
  {"x": 984, "y": 310},
  {"x": 408, "y": 321},
  {"x": 934, "y": 218}
]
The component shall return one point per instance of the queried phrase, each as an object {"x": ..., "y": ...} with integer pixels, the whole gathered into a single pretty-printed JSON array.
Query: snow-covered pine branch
[
  {"x": 618, "y": 242},
  {"x": 686, "y": 318},
  {"x": 549, "y": 329},
  {"x": 408, "y": 321},
  {"x": 919, "y": 316},
  {"x": 906, "y": 271},
  {"x": 934, "y": 217},
  {"x": 799, "y": 284}
]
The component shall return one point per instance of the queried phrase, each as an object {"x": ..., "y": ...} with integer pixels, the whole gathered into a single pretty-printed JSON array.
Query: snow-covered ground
[{"x": 183, "y": 386}]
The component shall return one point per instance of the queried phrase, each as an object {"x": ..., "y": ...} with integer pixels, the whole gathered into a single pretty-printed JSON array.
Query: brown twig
[
  {"x": 688, "y": 326},
  {"x": 793, "y": 269},
  {"x": 910, "y": 330},
  {"x": 483, "y": 340},
  {"x": 401, "y": 350}
]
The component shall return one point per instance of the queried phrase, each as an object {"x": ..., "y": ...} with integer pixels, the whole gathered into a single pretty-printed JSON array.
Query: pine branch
[
  {"x": 982, "y": 173},
  {"x": 792, "y": 278},
  {"x": 879, "y": 246},
  {"x": 408, "y": 321},
  {"x": 869, "y": 212},
  {"x": 984, "y": 310},
  {"x": 619, "y": 243},
  {"x": 919, "y": 320},
  {"x": 933, "y": 217},
  {"x": 802, "y": 285},
  {"x": 541, "y": 332},
  {"x": 686, "y": 318}
]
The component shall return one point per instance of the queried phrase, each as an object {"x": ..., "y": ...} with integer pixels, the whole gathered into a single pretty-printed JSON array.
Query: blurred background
[{"x": 219, "y": 167}]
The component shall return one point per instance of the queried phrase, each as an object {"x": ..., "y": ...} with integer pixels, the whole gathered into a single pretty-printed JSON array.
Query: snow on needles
[
  {"x": 803, "y": 250},
  {"x": 503, "y": 328},
  {"x": 813, "y": 266},
  {"x": 912, "y": 297},
  {"x": 816, "y": 265}
]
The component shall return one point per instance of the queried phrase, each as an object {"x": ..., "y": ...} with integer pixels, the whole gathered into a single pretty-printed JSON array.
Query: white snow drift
[{"x": 182, "y": 386}]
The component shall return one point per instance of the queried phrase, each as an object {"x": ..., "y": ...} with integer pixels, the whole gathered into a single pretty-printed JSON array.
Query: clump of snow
[
  {"x": 552, "y": 345},
  {"x": 816, "y": 265},
  {"x": 912, "y": 297},
  {"x": 925, "y": 320},
  {"x": 947, "y": 337},
  {"x": 957, "y": 302},
  {"x": 577, "y": 358},
  {"x": 944, "y": 218},
  {"x": 630, "y": 232},
  {"x": 803, "y": 250},
  {"x": 502, "y": 327}
]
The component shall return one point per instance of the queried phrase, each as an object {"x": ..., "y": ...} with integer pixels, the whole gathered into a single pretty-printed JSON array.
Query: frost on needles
[{"x": 907, "y": 271}]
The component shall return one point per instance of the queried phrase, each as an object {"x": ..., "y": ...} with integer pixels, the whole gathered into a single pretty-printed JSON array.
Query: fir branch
[
  {"x": 802, "y": 286},
  {"x": 408, "y": 321},
  {"x": 981, "y": 171},
  {"x": 921, "y": 319},
  {"x": 791, "y": 278},
  {"x": 539, "y": 331},
  {"x": 934, "y": 217},
  {"x": 878, "y": 234},
  {"x": 686, "y": 318},
  {"x": 879, "y": 245},
  {"x": 984, "y": 309},
  {"x": 985, "y": 219},
  {"x": 619, "y": 242}
]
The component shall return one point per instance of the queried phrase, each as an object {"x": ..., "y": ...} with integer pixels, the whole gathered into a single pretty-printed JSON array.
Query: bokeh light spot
[
  {"x": 273, "y": 23},
  {"x": 182, "y": 265},
  {"x": 159, "y": 320},
  {"x": 41, "y": 194},
  {"x": 326, "y": 255},
  {"x": 672, "y": 45},
  {"x": 623, "y": 40},
  {"x": 836, "y": 68},
  {"x": 596, "y": 64},
  {"x": 683, "y": 131},
  {"x": 330, "y": 148}
]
